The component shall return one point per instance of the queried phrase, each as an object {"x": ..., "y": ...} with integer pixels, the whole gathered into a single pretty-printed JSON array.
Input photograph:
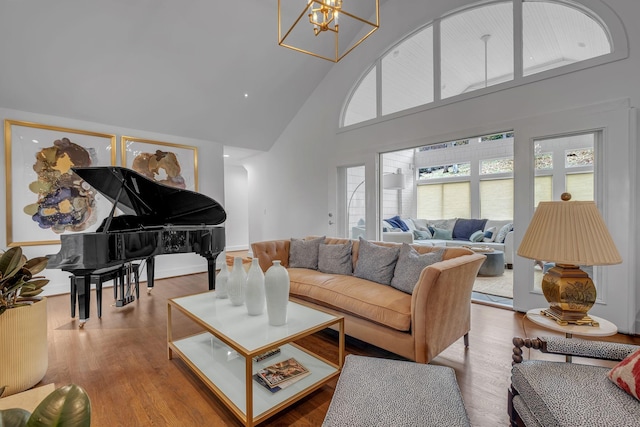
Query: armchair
[{"x": 549, "y": 393}]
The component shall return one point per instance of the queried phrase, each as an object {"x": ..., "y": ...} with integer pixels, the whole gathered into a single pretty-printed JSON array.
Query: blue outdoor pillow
[{"x": 397, "y": 222}]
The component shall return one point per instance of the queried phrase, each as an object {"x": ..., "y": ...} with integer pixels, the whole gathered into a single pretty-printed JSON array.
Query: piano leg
[
  {"x": 74, "y": 293},
  {"x": 211, "y": 268},
  {"x": 83, "y": 285},
  {"x": 151, "y": 263}
]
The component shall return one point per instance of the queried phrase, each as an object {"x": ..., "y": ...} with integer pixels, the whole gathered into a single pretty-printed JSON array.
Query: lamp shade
[
  {"x": 569, "y": 232},
  {"x": 393, "y": 181}
]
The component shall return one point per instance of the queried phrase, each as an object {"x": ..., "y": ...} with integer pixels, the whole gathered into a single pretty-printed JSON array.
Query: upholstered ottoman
[{"x": 382, "y": 392}]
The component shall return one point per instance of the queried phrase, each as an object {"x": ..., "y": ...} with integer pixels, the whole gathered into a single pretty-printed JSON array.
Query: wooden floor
[{"x": 121, "y": 360}]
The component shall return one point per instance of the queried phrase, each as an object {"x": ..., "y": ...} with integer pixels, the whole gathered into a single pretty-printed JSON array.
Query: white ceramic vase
[
  {"x": 254, "y": 291},
  {"x": 236, "y": 282},
  {"x": 222, "y": 280},
  {"x": 276, "y": 285}
]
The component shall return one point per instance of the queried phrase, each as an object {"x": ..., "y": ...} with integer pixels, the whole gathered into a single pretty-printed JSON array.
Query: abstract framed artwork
[
  {"x": 170, "y": 164},
  {"x": 44, "y": 198}
]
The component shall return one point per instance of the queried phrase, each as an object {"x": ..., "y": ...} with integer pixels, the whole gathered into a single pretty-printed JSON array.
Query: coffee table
[{"x": 222, "y": 355}]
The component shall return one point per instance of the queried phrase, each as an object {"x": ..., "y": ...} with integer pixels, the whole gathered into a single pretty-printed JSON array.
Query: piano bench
[{"x": 119, "y": 276}]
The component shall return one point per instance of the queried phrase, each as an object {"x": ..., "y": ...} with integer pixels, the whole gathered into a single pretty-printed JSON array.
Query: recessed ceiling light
[
  {"x": 582, "y": 44},
  {"x": 225, "y": 155},
  {"x": 246, "y": 95}
]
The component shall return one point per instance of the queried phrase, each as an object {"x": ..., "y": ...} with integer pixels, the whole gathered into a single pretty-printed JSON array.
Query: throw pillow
[
  {"x": 489, "y": 234},
  {"x": 410, "y": 265},
  {"x": 442, "y": 234},
  {"x": 464, "y": 228},
  {"x": 397, "y": 222},
  {"x": 375, "y": 262},
  {"x": 446, "y": 224},
  {"x": 421, "y": 234},
  {"x": 477, "y": 236},
  {"x": 304, "y": 253},
  {"x": 335, "y": 259},
  {"x": 626, "y": 374},
  {"x": 503, "y": 232}
]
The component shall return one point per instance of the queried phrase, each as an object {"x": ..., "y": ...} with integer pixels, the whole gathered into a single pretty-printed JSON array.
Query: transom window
[{"x": 478, "y": 51}]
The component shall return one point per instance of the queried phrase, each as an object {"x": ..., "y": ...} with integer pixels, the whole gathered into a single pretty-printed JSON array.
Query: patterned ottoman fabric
[
  {"x": 586, "y": 348},
  {"x": 380, "y": 392},
  {"x": 570, "y": 394}
]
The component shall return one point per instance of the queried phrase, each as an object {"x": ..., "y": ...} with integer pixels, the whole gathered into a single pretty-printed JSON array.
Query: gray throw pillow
[
  {"x": 410, "y": 265},
  {"x": 304, "y": 253},
  {"x": 335, "y": 259},
  {"x": 442, "y": 234},
  {"x": 375, "y": 262},
  {"x": 422, "y": 234}
]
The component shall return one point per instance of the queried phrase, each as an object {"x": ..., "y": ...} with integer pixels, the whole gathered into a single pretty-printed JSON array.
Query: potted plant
[
  {"x": 67, "y": 406},
  {"x": 23, "y": 321}
]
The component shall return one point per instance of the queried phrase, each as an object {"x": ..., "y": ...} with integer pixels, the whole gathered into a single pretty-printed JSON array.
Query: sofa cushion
[
  {"x": 397, "y": 222},
  {"x": 442, "y": 234},
  {"x": 626, "y": 374},
  {"x": 421, "y": 224},
  {"x": 409, "y": 266},
  {"x": 490, "y": 234},
  {"x": 304, "y": 253},
  {"x": 555, "y": 394},
  {"x": 335, "y": 259},
  {"x": 422, "y": 234},
  {"x": 503, "y": 232},
  {"x": 372, "y": 301},
  {"x": 376, "y": 262},
  {"x": 446, "y": 224},
  {"x": 464, "y": 228},
  {"x": 477, "y": 236}
]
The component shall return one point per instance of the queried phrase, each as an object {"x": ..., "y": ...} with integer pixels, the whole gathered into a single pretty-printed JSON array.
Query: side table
[{"x": 604, "y": 328}]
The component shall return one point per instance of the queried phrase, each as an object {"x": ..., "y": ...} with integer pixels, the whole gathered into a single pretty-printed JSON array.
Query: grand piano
[{"x": 156, "y": 220}]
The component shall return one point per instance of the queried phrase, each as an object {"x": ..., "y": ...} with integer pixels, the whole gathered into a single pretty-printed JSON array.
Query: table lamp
[{"x": 569, "y": 233}]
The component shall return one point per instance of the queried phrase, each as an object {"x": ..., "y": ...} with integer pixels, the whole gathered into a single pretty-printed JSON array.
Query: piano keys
[{"x": 157, "y": 220}]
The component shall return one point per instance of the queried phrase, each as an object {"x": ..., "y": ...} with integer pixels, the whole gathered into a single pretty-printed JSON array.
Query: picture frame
[
  {"x": 43, "y": 198},
  {"x": 176, "y": 165}
]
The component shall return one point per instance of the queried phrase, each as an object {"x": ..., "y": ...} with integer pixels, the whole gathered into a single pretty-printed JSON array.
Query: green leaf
[
  {"x": 36, "y": 265},
  {"x": 67, "y": 406},
  {"x": 11, "y": 262},
  {"x": 14, "y": 417}
]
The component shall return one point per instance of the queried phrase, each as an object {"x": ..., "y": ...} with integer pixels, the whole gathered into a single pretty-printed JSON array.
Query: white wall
[
  {"x": 210, "y": 183},
  {"x": 293, "y": 186}
]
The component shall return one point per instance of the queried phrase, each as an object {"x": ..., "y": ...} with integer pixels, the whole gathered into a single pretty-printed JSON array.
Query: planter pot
[{"x": 24, "y": 352}]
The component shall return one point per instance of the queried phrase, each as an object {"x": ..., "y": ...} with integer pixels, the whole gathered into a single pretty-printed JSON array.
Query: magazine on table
[{"x": 282, "y": 374}]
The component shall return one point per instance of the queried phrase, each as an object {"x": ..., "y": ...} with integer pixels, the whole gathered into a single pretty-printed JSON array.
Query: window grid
[{"x": 527, "y": 49}]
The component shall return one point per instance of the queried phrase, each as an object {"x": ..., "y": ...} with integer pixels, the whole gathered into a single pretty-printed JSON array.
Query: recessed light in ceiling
[
  {"x": 582, "y": 44},
  {"x": 246, "y": 95},
  {"x": 226, "y": 155}
]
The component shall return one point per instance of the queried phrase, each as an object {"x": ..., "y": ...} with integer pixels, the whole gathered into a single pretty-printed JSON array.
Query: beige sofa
[{"x": 417, "y": 326}]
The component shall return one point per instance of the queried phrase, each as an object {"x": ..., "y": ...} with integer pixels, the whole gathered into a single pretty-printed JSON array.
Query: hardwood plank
[{"x": 121, "y": 361}]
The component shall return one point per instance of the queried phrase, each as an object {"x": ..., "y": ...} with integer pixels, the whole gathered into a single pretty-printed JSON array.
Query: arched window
[{"x": 479, "y": 50}]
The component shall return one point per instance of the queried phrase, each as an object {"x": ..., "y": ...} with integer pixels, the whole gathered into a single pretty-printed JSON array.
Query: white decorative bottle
[
  {"x": 276, "y": 285},
  {"x": 222, "y": 280},
  {"x": 236, "y": 282},
  {"x": 254, "y": 291}
]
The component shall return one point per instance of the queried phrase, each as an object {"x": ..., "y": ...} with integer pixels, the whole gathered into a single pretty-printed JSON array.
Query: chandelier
[{"x": 331, "y": 31}]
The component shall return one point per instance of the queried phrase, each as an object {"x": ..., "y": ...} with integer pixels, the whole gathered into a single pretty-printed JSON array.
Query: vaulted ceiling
[{"x": 174, "y": 67}]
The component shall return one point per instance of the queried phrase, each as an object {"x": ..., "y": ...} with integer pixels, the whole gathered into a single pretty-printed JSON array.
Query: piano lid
[{"x": 142, "y": 196}]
